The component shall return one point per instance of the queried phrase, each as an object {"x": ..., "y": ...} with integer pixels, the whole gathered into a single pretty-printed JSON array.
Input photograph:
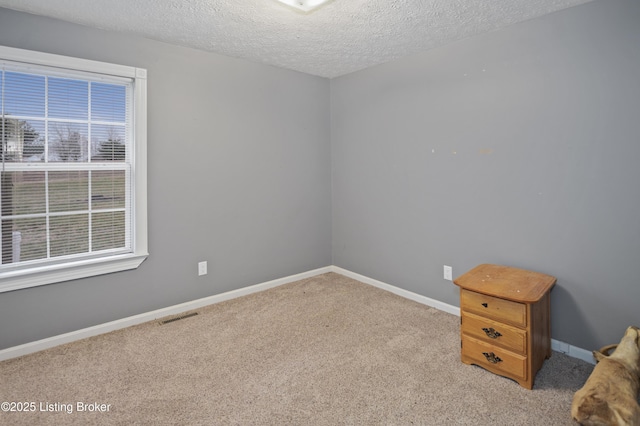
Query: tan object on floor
[{"x": 609, "y": 397}]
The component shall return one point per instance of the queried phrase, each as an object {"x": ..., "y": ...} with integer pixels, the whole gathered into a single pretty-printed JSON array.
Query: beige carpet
[{"x": 326, "y": 350}]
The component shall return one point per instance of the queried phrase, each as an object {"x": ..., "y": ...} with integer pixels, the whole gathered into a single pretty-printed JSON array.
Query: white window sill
[{"x": 33, "y": 277}]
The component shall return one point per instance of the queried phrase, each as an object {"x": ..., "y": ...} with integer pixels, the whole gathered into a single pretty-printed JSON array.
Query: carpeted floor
[{"x": 327, "y": 350}]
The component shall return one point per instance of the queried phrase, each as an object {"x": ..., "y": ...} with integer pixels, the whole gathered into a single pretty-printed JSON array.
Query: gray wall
[
  {"x": 239, "y": 175},
  {"x": 520, "y": 147}
]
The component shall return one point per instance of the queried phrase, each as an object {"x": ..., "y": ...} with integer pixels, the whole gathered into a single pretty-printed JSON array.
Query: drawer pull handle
[
  {"x": 492, "y": 333},
  {"x": 491, "y": 357},
  {"x": 485, "y": 305}
]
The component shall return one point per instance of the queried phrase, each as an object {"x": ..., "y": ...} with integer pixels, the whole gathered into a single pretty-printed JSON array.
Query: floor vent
[{"x": 193, "y": 314}]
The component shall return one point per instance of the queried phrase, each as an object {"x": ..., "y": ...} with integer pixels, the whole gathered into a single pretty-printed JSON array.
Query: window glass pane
[
  {"x": 108, "y": 102},
  {"x": 34, "y": 140},
  {"x": 68, "y": 191},
  {"x": 68, "y": 98},
  {"x": 69, "y": 234},
  {"x": 12, "y": 139},
  {"x": 108, "y": 230},
  {"x": 24, "y": 94},
  {"x": 24, "y": 239},
  {"x": 67, "y": 142},
  {"x": 23, "y": 193},
  {"x": 23, "y": 140},
  {"x": 108, "y": 189},
  {"x": 108, "y": 143}
]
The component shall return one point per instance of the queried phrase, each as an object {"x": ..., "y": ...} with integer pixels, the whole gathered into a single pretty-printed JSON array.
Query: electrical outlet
[
  {"x": 202, "y": 268},
  {"x": 448, "y": 273}
]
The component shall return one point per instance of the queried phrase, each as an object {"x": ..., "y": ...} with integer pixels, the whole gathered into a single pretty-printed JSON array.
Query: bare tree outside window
[{"x": 68, "y": 144}]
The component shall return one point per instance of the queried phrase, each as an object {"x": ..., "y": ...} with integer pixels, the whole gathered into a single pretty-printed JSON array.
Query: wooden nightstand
[{"x": 504, "y": 320}]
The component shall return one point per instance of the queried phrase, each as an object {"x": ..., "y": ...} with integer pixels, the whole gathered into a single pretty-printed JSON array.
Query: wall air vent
[{"x": 193, "y": 314}]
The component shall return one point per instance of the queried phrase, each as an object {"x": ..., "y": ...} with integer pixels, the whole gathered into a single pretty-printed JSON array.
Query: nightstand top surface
[{"x": 505, "y": 282}]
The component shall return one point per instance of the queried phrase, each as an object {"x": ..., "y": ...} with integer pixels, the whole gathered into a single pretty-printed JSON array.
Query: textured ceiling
[{"x": 341, "y": 37}]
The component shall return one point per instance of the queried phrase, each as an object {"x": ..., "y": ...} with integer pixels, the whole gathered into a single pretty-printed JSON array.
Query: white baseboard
[
  {"x": 61, "y": 339},
  {"x": 556, "y": 345},
  {"x": 572, "y": 351},
  {"x": 400, "y": 292}
]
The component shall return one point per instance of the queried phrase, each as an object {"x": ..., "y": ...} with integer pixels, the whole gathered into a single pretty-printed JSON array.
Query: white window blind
[{"x": 68, "y": 183}]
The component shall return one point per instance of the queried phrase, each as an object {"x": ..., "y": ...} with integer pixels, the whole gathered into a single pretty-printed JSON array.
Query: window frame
[{"x": 74, "y": 269}]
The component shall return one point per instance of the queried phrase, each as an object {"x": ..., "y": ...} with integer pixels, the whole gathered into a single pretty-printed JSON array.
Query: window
[{"x": 73, "y": 168}]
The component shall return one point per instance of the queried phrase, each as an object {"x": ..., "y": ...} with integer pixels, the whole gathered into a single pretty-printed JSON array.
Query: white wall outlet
[
  {"x": 448, "y": 273},
  {"x": 202, "y": 268}
]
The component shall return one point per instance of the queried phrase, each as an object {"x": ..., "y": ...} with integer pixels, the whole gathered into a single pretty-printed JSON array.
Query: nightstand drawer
[
  {"x": 498, "y": 309},
  {"x": 494, "y": 332},
  {"x": 494, "y": 358}
]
